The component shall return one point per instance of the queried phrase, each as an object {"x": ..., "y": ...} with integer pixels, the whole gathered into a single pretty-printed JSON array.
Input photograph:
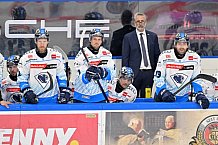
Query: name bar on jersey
[
  {"x": 174, "y": 66},
  {"x": 13, "y": 89},
  {"x": 38, "y": 65}
]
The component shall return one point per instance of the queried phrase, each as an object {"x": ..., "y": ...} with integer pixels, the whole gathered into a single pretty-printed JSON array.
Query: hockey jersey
[
  {"x": 127, "y": 95},
  {"x": 10, "y": 88},
  {"x": 172, "y": 73},
  {"x": 89, "y": 91},
  {"x": 1, "y": 67},
  {"x": 210, "y": 89},
  {"x": 43, "y": 75}
]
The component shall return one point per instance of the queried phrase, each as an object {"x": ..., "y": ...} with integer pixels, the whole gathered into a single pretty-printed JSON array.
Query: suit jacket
[
  {"x": 131, "y": 51},
  {"x": 117, "y": 39}
]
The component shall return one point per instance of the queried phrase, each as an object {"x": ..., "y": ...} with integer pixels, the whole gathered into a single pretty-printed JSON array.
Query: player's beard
[
  {"x": 182, "y": 50},
  {"x": 42, "y": 49}
]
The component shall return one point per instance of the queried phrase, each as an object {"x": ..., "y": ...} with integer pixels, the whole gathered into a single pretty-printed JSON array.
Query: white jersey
[
  {"x": 1, "y": 67},
  {"x": 210, "y": 89},
  {"x": 172, "y": 73},
  {"x": 90, "y": 91},
  {"x": 42, "y": 75},
  {"x": 10, "y": 88},
  {"x": 127, "y": 95}
]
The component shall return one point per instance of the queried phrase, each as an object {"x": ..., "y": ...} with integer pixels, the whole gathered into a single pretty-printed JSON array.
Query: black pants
[{"x": 144, "y": 79}]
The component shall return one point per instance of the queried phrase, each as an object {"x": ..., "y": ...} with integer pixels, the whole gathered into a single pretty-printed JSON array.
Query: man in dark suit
[
  {"x": 117, "y": 38},
  {"x": 140, "y": 51}
]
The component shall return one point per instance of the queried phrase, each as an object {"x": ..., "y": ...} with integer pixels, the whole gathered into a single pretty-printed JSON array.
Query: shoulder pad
[
  {"x": 52, "y": 50},
  {"x": 30, "y": 51},
  {"x": 104, "y": 51},
  {"x": 167, "y": 51}
]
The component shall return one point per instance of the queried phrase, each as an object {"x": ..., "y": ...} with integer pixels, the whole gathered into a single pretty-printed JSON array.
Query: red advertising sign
[{"x": 49, "y": 129}]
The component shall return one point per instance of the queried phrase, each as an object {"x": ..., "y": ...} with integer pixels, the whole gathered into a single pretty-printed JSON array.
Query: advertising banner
[
  {"x": 49, "y": 128},
  {"x": 180, "y": 127}
]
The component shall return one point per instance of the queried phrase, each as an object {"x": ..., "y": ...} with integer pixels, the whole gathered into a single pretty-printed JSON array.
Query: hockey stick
[
  {"x": 83, "y": 52},
  {"x": 50, "y": 87},
  {"x": 200, "y": 76},
  {"x": 65, "y": 59}
]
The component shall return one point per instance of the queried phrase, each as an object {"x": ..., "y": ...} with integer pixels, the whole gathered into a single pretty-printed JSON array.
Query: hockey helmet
[
  {"x": 127, "y": 72},
  {"x": 18, "y": 13},
  {"x": 181, "y": 37},
  {"x": 41, "y": 34},
  {"x": 97, "y": 33},
  {"x": 13, "y": 60},
  {"x": 94, "y": 16}
]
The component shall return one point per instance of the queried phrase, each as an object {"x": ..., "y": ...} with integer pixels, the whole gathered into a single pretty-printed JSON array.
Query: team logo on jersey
[
  {"x": 179, "y": 79},
  {"x": 207, "y": 132},
  {"x": 43, "y": 79}
]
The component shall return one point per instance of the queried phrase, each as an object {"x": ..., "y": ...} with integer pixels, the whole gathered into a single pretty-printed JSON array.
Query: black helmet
[
  {"x": 41, "y": 33},
  {"x": 13, "y": 60},
  {"x": 94, "y": 16},
  {"x": 127, "y": 72},
  {"x": 18, "y": 13},
  {"x": 182, "y": 37},
  {"x": 96, "y": 32}
]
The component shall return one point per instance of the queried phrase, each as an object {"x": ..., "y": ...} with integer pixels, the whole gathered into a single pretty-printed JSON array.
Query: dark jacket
[
  {"x": 117, "y": 39},
  {"x": 131, "y": 52}
]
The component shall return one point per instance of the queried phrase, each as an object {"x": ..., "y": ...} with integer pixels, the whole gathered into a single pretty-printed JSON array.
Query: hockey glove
[
  {"x": 202, "y": 100},
  {"x": 95, "y": 73},
  {"x": 164, "y": 96},
  {"x": 30, "y": 97},
  {"x": 16, "y": 98},
  {"x": 64, "y": 96}
]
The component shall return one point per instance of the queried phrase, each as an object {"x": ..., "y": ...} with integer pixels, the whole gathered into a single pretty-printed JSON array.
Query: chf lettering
[{"x": 68, "y": 28}]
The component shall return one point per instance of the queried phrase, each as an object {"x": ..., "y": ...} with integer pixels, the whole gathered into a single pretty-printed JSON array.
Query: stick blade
[{"x": 207, "y": 77}]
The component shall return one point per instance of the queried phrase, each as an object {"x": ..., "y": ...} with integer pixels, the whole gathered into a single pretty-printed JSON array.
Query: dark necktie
[{"x": 143, "y": 50}]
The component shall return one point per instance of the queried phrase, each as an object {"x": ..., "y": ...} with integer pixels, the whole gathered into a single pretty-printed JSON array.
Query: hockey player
[
  {"x": 174, "y": 69},
  {"x": 10, "y": 86},
  {"x": 88, "y": 16},
  {"x": 1, "y": 67},
  {"x": 101, "y": 67},
  {"x": 121, "y": 89},
  {"x": 210, "y": 89},
  {"x": 42, "y": 73},
  {"x": 2, "y": 102},
  {"x": 19, "y": 46}
]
